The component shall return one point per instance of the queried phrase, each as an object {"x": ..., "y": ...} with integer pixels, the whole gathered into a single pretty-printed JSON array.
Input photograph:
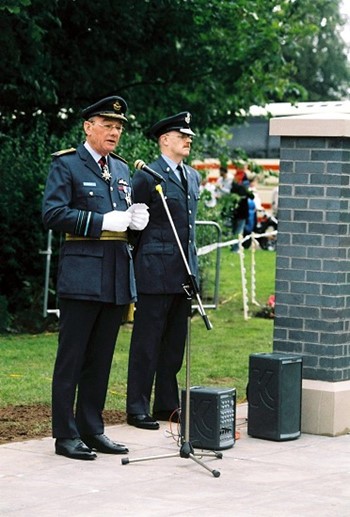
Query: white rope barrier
[
  {"x": 252, "y": 271},
  {"x": 255, "y": 238},
  {"x": 243, "y": 278},
  {"x": 204, "y": 250}
]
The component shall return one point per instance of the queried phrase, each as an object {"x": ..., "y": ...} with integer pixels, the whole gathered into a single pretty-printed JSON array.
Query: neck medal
[{"x": 106, "y": 175}]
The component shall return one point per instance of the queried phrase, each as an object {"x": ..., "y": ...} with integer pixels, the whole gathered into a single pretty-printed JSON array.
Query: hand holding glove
[
  {"x": 139, "y": 216},
  {"x": 116, "y": 221}
]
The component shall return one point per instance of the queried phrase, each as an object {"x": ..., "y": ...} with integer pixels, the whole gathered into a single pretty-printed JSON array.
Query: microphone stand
[{"x": 186, "y": 449}]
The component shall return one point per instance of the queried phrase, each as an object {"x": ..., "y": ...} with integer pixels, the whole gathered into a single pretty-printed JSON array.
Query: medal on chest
[{"x": 106, "y": 175}]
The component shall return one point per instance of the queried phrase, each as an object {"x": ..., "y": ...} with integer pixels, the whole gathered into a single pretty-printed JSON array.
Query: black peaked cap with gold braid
[{"x": 111, "y": 107}]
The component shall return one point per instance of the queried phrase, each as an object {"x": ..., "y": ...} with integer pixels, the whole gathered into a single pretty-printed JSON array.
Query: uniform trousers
[
  {"x": 87, "y": 337},
  {"x": 156, "y": 351}
]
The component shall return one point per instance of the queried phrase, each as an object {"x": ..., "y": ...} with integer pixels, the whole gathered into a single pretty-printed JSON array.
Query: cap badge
[
  {"x": 106, "y": 175},
  {"x": 188, "y": 118},
  {"x": 117, "y": 106}
]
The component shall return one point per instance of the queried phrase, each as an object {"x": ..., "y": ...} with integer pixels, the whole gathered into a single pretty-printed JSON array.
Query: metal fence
[{"x": 208, "y": 233}]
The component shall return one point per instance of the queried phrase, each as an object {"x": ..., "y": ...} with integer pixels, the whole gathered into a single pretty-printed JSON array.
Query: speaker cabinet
[
  {"x": 212, "y": 417},
  {"x": 274, "y": 396}
]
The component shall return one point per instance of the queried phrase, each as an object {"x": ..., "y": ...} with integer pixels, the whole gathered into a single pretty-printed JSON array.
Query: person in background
[
  {"x": 162, "y": 308},
  {"x": 253, "y": 187},
  {"x": 88, "y": 198},
  {"x": 224, "y": 182},
  {"x": 251, "y": 221},
  {"x": 274, "y": 202},
  {"x": 241, "y": 212}
]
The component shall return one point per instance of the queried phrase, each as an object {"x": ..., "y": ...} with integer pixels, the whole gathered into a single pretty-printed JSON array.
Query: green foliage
[
  {"x": 14, "y": 6},
  {"x": 5, "y": 317},
  {"x": 321, "y": 61},
  {"x": 22, "y": 186},
  {"x": 215, "y": 57}
]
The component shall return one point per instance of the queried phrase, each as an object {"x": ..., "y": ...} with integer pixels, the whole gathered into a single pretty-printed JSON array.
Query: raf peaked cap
[
  {"x": 180, "y": 122},
  {"x": 112, "y": 107}
]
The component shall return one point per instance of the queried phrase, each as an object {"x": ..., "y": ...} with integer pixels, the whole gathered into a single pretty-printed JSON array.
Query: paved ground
[{"x": 309, "y": 476}]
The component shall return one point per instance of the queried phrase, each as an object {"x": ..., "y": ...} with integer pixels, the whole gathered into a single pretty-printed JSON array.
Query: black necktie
[
  {"x": 182, "y": 176},
  {"x": 106, "y": 175}
]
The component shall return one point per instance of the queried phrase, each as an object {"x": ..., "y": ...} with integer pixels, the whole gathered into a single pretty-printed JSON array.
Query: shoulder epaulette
[
  {"x": 64, "y": 151},
  {"x": 118, "y": 157}
]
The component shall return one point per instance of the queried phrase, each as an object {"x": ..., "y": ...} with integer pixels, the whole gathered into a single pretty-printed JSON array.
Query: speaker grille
[{"x": 212, "y": 417}]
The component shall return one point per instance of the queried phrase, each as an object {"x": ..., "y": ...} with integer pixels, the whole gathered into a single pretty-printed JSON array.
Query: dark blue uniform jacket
[
  {"x": 75, "y": 199},
  {"x": 159, "y": 267}
]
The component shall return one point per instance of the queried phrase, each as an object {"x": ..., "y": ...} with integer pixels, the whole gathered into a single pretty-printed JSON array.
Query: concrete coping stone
[{"x": 317, "y": 124}]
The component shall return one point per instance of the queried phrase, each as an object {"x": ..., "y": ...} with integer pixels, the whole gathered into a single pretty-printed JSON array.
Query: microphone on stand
[{"x": 140, "y": 164}]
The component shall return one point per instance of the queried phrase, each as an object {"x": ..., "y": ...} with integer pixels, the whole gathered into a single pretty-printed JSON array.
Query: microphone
[{"x": 139, "y": 164}]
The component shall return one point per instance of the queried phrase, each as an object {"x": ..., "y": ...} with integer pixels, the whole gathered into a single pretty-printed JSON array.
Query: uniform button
[
  {"x": 190, "y": 226},
  {"x": 190, "y": 211},
  {"x": 190, "y": 242},
  {"x": 188, "y": 197},
  {"x": 111, "y": 189},
  {"x": 91, "y": 193},
  {"x": 114, "y": 204}
]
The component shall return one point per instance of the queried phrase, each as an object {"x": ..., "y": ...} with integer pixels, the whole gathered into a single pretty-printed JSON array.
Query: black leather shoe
[
  {"x": 168, "y": 416},
  {"x": 73, "y": 448},
  {"x": 143, "y": 422},
  {"x": 101, "y": 443}
]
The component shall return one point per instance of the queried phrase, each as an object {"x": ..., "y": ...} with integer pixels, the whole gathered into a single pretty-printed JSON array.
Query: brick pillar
[{"x": 313, "y": 266}]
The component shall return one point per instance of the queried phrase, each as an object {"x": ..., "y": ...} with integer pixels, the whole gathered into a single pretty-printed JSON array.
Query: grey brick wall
[{"x": 313, "y": 251}]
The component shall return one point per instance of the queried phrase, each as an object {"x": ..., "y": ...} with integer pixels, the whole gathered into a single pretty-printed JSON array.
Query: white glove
[
  {"x": 139, "y": 216},
  {"x": 116, "y": 221}
]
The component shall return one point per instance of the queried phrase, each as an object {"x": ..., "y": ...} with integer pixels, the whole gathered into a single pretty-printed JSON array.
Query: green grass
[{"x": 219, "y": 357}]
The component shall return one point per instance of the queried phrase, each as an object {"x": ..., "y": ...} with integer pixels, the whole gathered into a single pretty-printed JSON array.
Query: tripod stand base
[{"x": 186, "y": 451}]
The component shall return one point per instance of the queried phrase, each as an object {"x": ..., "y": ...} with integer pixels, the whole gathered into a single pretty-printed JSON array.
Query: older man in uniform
[
  {"x": 162, "y": 309},
  {"x": 88, "y": 198}
]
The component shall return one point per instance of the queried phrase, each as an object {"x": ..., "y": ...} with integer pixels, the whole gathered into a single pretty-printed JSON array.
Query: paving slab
[{"x": 309, "y": 476}]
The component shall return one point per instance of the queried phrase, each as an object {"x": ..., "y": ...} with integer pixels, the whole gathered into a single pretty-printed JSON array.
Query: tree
[
  {"x": 214, "y": 57},
  {"x": 319, "y": 58}
]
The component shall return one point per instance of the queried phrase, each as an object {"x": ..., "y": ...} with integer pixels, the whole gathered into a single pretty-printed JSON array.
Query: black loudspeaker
[
  {"x": 274, "y": 396},
  {"x": 212, "y": 417}
]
